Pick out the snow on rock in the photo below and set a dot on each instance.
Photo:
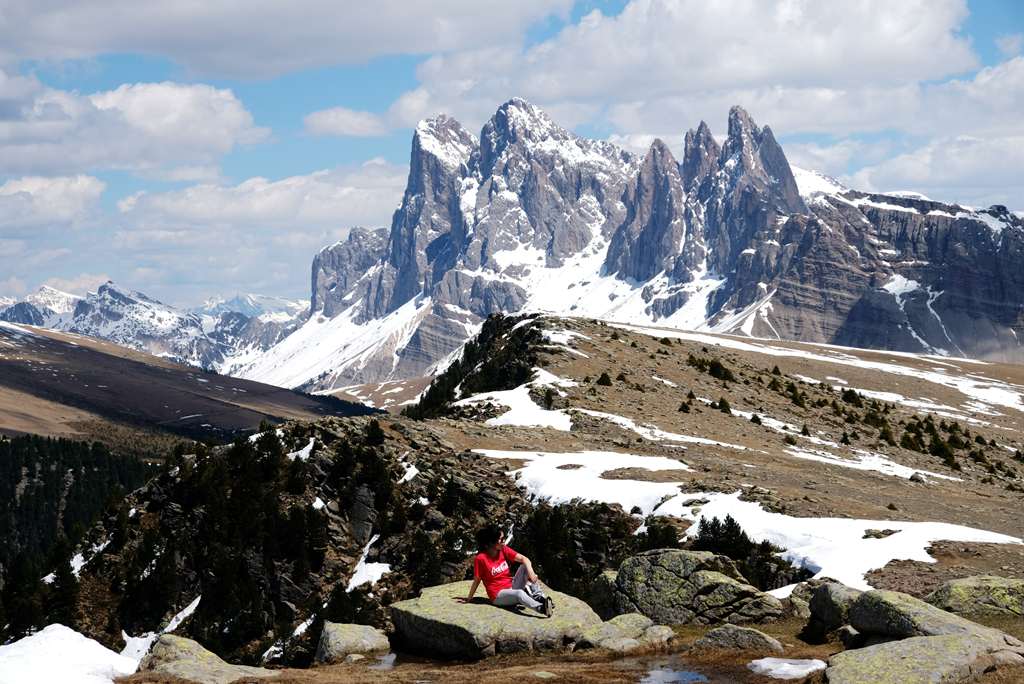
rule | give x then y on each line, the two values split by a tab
785	668
367	572
303	453
136	648
58	654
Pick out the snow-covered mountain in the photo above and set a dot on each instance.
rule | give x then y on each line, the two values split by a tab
133	320
286	312
532	217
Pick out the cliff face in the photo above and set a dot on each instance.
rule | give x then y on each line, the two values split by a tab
531	216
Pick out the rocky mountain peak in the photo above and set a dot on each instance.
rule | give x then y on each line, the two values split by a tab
700	157
442	139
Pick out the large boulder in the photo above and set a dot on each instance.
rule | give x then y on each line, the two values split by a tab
340	640
180	657
922	660
435	624
830	607
629	626
674	587
742	638
981	595
893	614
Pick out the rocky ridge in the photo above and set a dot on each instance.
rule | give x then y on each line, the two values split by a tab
532	217
216	336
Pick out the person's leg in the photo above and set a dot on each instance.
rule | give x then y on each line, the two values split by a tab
533	588
510	597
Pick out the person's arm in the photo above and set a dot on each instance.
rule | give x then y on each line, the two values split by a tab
530	574
472	590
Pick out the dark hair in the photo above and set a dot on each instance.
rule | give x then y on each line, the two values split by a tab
487	536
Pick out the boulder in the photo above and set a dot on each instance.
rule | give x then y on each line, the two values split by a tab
657	635
675	587
981	595
628	626
435	624
830	607
338	640
922	660
733	637
180	657
893	614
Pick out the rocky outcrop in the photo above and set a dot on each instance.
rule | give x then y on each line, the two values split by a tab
674	587
435	624
982	595
921	660
338	269
830	607
895	637
742	638
338	641
180	657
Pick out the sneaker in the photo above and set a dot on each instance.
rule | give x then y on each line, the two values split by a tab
549	606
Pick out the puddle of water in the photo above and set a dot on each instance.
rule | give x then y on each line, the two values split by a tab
665	670
384	663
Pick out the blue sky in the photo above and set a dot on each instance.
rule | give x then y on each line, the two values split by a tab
189	151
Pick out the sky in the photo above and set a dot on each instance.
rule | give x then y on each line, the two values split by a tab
193	150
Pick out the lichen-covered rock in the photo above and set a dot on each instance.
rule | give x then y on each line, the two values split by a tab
180	657
628	626
339	640
733	637
922	660
657	635
602	595
435	624
620	644
981	595
830	607
890	613
675	587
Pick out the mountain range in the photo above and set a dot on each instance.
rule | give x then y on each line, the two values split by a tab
732	239
213	336
531	217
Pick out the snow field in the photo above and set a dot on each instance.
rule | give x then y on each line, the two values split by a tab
60	655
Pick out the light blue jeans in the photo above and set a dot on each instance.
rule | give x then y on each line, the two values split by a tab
528	593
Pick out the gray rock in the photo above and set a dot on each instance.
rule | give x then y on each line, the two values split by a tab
922	660
187	659
620	644
435	624
890	613
630	626
733	637
339	640
830	607
657	635
675	587
981	595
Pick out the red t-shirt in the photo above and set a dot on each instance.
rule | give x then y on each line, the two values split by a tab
494	573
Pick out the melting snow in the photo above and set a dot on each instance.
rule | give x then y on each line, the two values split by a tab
367	572
60	654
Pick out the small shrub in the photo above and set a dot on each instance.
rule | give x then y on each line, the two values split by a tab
776	371
723	406
633	344
621	377
755	419
790	439
684	407
615	334
666	341
604	380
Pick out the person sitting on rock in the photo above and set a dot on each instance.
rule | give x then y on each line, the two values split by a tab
492	568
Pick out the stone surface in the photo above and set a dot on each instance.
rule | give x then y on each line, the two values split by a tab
674	587
733	637
890	613
435	624
658	634
830	607
339	640
630	626
185	658
922	660
981	595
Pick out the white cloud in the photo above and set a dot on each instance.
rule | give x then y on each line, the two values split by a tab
345	122
1010	44
164	130
243	39
13	287
35	202
972	171
80	285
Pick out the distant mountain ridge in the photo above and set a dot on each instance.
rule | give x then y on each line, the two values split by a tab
532	217
215	336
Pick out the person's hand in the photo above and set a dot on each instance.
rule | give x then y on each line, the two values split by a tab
533	577
461	600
